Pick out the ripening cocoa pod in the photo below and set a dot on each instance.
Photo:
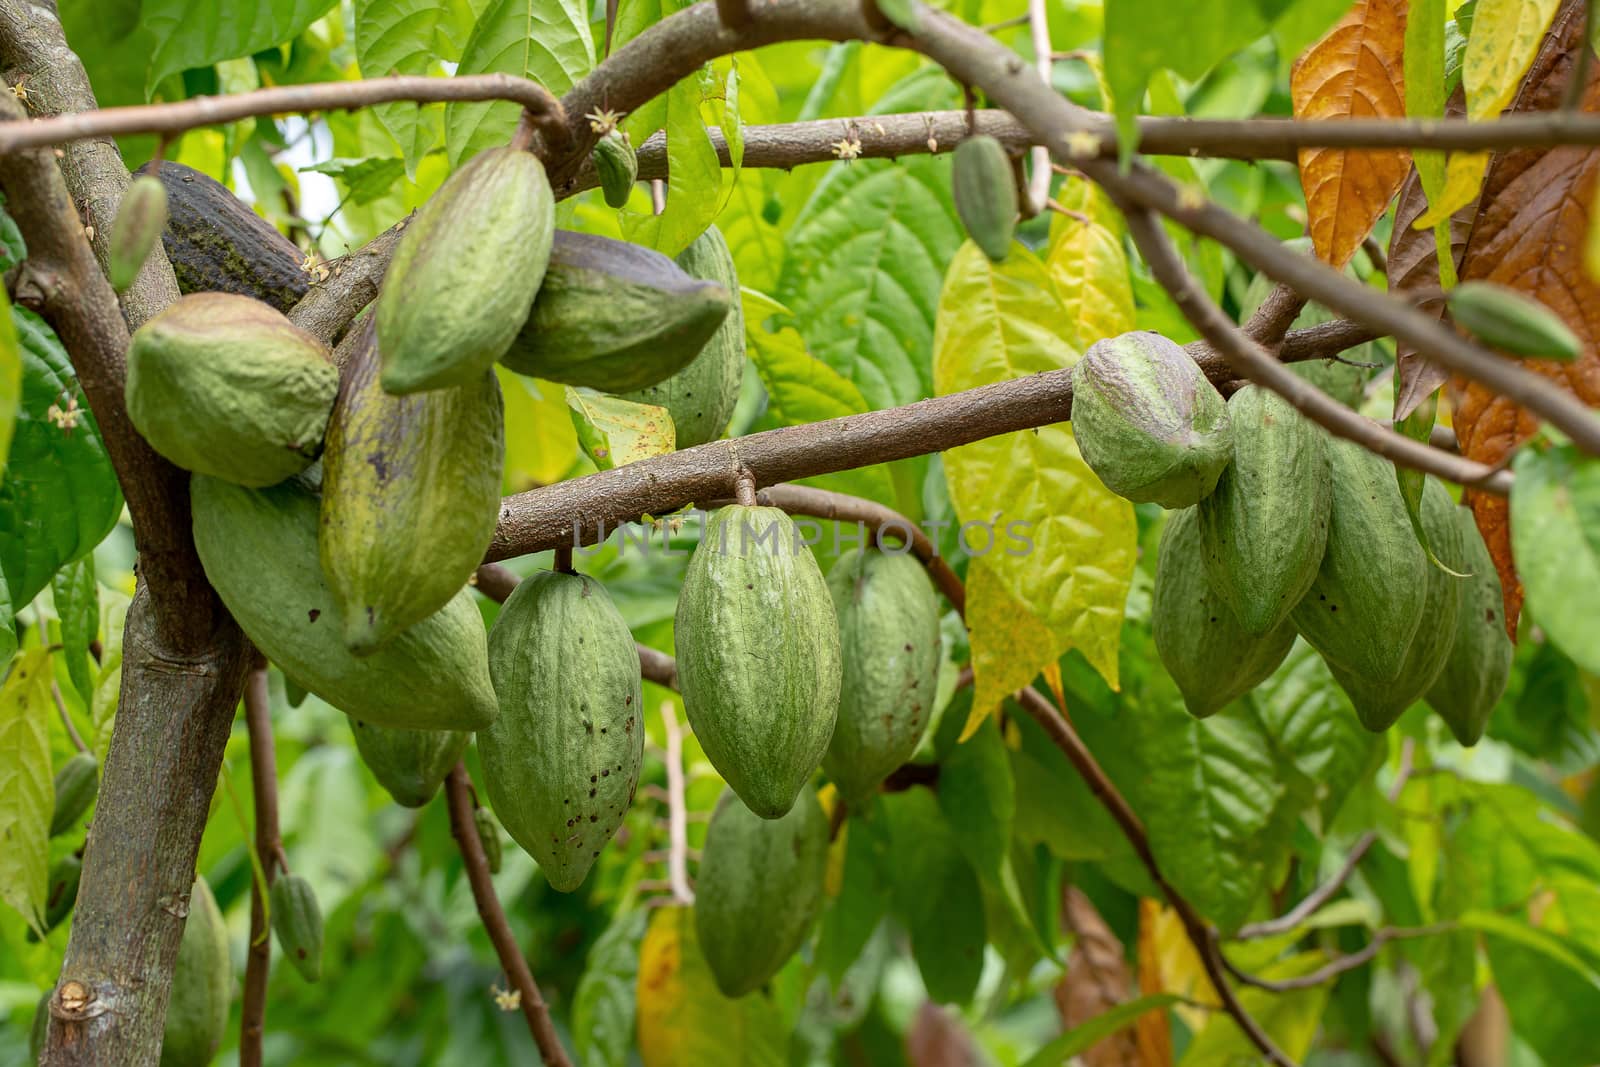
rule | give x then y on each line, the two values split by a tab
225	385
141	218
985	194
1475	674
1148	422
76	785
1504	318
489	838
465	273
410	764
618	167
297	920
202	985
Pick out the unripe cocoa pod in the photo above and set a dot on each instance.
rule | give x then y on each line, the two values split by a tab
410	495
489	838
202	985
615	316
226	386
410	764
76	785
1475	673
889	650
1200	642
259	550
61	890
1379	703
1504	318
701	397
465	273
141	217
618	167
297	920
1148	422
985	194
561	761
759	889
758	655
1263	530
1366	602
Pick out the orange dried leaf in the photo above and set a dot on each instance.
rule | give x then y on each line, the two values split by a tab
1096	981
1353	72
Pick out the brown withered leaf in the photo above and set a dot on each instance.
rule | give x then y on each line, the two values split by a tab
1529	235
1096	981
1352	72
938	1039
1152	1031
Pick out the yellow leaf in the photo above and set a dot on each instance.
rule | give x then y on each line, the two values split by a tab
1165	946
1089	265
1462	178
1591	245
1009	643
1505	37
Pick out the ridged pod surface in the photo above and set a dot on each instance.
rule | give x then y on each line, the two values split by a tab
259	549
227	386
1366	602
985	192
1148	423
202	985
1263	530
701	397
561	761
615	316
1200	642
758	655
297	920
141	218
759	889
617	165
410	764
889	650
465	273
1475	673
410	495
76	785
1379	703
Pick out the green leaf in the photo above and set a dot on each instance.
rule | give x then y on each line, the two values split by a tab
1102	1026
938	895
1551	994
409	37
615	432
189	34
863	898
1425	83
545	40
1555	539
27	796
363	180
1053	573
976	794
602	1006
10	373
694	176
8	625
865	262
77	599
59	497
108	682
1291	1019
13	249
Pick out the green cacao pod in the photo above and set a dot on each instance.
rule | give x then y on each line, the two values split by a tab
202	985
226	386
488	837
758	655
76	785
141	218
410	495
259	549
986	194
216	242
1148	422
1503	318
1200	642
615	316
889	650
410	764
1263	530
1365	604
61	890
465	273
701	397
1475	673
561	761
1379	704
297	920
617	165
759	889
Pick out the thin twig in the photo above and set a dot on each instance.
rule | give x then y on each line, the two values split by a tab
1339	965
677	805
66	718
269	847
1578	80
1038	19
458	794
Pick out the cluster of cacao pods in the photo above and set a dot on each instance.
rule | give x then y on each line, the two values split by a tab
1280	529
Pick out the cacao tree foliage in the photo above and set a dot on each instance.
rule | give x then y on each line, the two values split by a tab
966	896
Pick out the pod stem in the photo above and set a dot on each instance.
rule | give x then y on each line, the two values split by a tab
744	488
562	564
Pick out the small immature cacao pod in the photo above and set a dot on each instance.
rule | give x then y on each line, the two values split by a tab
297	920
985	194
141	217
62	890
1506	319
489	838
618	167
1475	674
202	985
76	785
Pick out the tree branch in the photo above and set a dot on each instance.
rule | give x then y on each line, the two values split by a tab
264	786
458	795
1340	964
677	809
